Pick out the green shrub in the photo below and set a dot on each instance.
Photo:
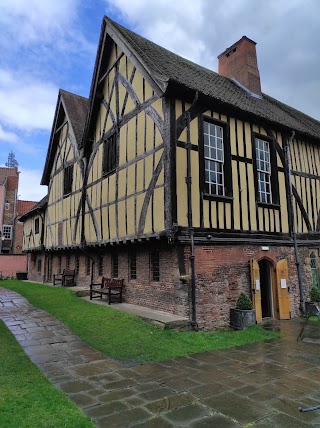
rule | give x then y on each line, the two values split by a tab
315	294
244	302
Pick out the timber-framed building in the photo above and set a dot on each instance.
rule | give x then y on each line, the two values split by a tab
191	185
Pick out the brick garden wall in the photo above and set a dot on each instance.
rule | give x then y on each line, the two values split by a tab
9	264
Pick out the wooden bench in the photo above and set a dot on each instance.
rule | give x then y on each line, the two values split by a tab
66	278
110	287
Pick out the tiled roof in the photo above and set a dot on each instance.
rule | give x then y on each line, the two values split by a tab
37	206
24	206
77	108
175	69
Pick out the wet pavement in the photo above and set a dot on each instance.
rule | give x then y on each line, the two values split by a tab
260	385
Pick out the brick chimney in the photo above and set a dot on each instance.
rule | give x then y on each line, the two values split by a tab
239	62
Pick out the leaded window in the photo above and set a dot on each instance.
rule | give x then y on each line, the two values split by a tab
263	171
133	264
214	159
109	162
67	180
36	226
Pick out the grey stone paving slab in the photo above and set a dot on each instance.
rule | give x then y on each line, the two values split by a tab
261	384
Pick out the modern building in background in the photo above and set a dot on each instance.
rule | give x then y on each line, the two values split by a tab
11	209
192	185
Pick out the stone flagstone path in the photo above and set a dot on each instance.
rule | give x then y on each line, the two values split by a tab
262	384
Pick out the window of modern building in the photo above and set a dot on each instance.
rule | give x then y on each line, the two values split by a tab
109	161
115	264
155	265
36	226
7	231
67	180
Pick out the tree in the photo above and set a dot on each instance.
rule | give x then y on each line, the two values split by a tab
12	162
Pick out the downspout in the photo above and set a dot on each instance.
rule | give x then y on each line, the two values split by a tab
194	324
294	230
14	220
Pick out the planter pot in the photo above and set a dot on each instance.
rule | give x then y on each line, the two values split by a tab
241	319
311	310
21	275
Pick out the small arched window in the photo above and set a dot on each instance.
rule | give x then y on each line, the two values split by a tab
314	270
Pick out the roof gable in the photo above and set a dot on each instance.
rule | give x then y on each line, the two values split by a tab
74	108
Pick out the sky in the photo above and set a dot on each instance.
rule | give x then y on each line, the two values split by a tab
52	44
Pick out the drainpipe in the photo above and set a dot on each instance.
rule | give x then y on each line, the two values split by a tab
294	230
194	324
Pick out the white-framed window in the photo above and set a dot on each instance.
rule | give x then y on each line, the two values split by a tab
213	159
263	171
314	270
7	231
7	206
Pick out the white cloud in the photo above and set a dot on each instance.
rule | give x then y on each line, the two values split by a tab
7	136
26	102
29	185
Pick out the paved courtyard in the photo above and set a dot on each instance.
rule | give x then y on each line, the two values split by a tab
260	385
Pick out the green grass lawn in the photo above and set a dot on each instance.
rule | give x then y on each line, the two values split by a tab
126	337
27	398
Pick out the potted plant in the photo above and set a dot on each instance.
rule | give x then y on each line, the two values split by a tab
21	275
314	297
243	315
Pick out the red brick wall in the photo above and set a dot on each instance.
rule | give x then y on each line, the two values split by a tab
9	264
222	273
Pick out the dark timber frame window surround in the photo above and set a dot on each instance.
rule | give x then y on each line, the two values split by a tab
67	180
36	226
215	159
109	160
265	170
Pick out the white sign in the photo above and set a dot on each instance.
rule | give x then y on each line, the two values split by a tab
283	283
257	284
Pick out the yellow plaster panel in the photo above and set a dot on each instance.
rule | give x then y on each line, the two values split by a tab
161	177
157	105
221	214
148	169
195	186
206	219
224	118
240	137
123	145
140	133
252	198
130	105
122	95
122	183
112	187
148	223
236	186
255	128
214	214
131	179
131	139
181	162
283	203
248	141
244	203
148	91
112	219
122	219
260	216
94	201
140	166
233	136
130	215
105	230
139	201
150	133
194	131
228	215
137	85
266	219
216	115
277	221
159	209
158	141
